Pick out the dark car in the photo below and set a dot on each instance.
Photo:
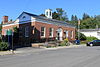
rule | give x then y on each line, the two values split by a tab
94	43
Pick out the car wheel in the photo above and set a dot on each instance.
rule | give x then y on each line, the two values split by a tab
91	45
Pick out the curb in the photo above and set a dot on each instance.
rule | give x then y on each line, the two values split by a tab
55	48
61	47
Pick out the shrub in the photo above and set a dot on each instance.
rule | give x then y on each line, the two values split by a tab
91	39
82	36
3	46
64	43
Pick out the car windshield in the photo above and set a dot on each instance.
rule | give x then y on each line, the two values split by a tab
96	41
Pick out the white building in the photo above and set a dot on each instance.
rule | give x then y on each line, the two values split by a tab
91	32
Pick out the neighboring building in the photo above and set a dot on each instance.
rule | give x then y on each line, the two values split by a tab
35	28
91	32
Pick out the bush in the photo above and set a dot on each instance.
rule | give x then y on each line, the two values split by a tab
64	43
91	39
3	46
82	36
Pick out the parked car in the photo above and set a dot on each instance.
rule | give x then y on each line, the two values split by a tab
94	43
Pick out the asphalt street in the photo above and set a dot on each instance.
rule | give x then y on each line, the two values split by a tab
67	57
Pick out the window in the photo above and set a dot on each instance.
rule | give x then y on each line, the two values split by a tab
71	34
50	13
67	34
27	31
47	13
20	32
24	17
51	32
43	31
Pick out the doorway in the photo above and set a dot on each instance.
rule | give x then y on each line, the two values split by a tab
59	34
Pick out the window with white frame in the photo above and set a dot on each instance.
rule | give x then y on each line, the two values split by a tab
47	13
72	34
27	31
42	31
50	32
66	34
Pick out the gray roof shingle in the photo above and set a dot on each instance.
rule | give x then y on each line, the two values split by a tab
52	21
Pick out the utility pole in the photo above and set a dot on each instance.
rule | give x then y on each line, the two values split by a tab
79	30
12	44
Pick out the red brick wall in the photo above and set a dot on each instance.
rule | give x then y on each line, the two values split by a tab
34	34
8	27
38	26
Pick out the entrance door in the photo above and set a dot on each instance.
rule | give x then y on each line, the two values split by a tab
59	34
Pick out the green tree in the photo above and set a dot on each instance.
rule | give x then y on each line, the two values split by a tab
85	16
76	19
42	15
55	15
82	36
89	23
62	14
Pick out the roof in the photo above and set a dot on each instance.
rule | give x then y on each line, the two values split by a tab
53	21
89	30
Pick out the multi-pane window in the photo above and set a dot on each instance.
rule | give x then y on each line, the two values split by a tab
20	32
71	34
27	31
51	32
67	34
43	31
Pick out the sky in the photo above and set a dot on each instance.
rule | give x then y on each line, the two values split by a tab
13	8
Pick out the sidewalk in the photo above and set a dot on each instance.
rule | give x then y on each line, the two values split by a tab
30	49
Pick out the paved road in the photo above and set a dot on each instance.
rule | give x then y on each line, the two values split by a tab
69	57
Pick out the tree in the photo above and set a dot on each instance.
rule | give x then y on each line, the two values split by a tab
59	14
42	15
85	16
62	14
55	15
82	36
76	19
72	18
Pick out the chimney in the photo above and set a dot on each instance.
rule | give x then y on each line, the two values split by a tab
5	19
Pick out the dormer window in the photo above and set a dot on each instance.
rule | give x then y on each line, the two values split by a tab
24	17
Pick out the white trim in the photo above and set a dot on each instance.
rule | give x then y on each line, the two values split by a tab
51	32
72	34
66	33
44	32
22	22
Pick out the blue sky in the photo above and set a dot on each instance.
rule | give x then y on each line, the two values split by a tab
13	8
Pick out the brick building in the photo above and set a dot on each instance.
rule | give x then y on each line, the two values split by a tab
34	28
